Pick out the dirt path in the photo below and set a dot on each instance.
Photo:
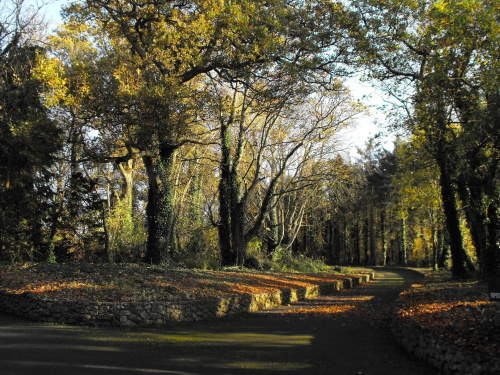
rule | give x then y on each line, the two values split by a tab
282	341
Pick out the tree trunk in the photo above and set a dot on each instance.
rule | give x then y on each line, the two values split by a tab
403	255
232	240
366	237
492	255
273	235
443	256
472	201
334	242
240	242
224	228
373	247
160	210
226	194
104	215
127	172
345	243
458	255
383	238
152	212
434	241
357	239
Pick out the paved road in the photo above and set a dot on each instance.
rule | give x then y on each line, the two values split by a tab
282	341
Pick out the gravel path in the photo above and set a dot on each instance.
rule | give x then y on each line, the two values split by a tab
281	341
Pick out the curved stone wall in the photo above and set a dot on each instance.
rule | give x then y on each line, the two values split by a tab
161	312
444	355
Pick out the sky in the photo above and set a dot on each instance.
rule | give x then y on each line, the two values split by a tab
373	122
366	126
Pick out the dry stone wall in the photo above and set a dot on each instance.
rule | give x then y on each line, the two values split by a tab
442	354
161	312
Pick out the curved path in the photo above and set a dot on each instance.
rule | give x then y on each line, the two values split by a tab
305	338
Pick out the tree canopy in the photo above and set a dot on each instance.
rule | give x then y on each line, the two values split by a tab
208	133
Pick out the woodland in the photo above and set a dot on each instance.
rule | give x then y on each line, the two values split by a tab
208	134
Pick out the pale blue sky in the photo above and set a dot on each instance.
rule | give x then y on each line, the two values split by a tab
52	10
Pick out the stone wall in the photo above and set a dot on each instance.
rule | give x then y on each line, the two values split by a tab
444	355
161	312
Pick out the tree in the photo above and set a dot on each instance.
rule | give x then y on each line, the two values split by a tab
380	171
443	49
175	45
264	137
30	139
345	182
417	183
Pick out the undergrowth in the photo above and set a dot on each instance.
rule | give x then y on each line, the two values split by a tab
288	262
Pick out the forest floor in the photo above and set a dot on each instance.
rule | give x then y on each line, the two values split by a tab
459	312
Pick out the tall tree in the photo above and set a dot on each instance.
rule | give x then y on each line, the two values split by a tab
263	139
176	43
417	183
29	139
443	50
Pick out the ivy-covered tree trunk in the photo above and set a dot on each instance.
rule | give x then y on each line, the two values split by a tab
450	209
160	210
224	228
226	194
152	208
240	242
471	195
232	241
273	235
